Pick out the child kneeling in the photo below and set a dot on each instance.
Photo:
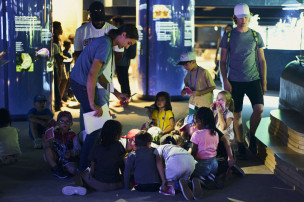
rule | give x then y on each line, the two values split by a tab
142	162
178	167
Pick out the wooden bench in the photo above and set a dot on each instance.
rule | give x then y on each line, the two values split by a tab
280	140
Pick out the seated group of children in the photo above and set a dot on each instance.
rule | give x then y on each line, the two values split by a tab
139	162
184	156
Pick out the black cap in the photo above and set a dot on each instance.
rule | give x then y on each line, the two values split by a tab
97	11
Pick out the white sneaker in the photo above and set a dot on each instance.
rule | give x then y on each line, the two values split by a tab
70	190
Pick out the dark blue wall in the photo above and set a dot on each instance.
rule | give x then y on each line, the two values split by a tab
158	57
276	61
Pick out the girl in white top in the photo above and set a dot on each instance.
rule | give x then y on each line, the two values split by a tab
224	116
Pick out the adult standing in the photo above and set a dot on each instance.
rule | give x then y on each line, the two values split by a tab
89	69
247	73
122	66
60	76
85	34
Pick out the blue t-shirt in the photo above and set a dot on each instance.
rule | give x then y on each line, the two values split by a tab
34	111
101	49
243	65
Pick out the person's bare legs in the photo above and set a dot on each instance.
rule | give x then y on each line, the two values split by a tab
62	87
238	126
50	157
34	129
101	186
71	167
256	117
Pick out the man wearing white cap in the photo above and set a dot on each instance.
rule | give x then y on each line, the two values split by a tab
247	73
198	83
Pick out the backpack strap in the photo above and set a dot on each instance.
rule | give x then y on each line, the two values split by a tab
228	40
255	36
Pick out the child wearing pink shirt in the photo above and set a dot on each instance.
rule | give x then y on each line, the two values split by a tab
204	143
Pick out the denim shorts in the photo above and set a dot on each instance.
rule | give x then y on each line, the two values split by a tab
205	166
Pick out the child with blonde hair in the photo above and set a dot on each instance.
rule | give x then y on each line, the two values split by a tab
224	116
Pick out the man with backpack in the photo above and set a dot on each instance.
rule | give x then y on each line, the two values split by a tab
242	52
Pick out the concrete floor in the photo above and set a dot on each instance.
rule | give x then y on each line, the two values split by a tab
31	180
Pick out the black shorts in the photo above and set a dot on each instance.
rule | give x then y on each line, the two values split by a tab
252	89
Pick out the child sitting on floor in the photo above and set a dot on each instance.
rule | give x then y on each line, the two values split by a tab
162	116
9	144
107	163
142	162
224	116
38	117
62	148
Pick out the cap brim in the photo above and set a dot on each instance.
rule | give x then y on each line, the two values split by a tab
182	62
183	128
243	15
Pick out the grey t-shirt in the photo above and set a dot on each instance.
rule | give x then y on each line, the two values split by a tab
243	65
101	49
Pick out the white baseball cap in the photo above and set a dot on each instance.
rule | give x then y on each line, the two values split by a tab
186	57
241	10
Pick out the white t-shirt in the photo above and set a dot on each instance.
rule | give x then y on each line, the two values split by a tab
228	133
87	33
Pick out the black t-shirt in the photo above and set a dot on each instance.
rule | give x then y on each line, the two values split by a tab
108	161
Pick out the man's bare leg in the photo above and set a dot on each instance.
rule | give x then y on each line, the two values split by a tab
238	128
255	119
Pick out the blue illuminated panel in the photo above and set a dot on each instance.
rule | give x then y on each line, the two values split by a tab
29	31
170	32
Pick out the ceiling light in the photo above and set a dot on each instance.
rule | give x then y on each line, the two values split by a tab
291	3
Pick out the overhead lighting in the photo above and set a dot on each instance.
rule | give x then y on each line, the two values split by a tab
291	3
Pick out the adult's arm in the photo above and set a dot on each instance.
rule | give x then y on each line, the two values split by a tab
263	69
102	80
223	66
91	84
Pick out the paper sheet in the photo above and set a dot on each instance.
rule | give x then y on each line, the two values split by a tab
93	123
